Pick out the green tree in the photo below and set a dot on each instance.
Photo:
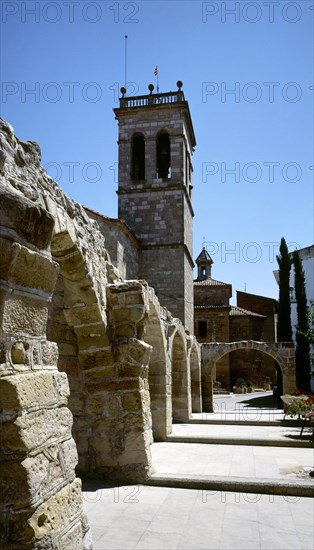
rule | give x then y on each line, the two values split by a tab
284	331
302	352
309	334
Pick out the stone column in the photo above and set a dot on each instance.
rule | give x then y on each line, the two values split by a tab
207	379
128	434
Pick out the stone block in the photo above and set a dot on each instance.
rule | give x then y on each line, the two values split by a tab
33	390
132	401
125	330
59	512
78	292
63	240
90	336
67	348
132	371
72	538
77	316
132	351
102	372
22	314
49	352
29	482
129	314
100	358
35	429
72	266
134	298
95	406
27	268
76	404
114	385
26	218
114	405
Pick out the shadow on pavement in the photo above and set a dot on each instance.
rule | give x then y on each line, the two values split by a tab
265	402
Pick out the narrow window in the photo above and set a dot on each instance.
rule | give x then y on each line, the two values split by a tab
138	158
202	328
163	156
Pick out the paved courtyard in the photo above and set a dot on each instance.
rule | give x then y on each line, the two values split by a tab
168	517
146	518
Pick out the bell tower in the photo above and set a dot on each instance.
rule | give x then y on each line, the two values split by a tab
156	143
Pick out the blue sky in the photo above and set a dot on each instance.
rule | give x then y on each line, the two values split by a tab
247	72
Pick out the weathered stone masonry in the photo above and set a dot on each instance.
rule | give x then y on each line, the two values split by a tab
86	360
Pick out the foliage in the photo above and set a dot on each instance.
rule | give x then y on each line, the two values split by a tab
301	406
241	383
302	353
297	393
284	332
267	381
248	383
309	333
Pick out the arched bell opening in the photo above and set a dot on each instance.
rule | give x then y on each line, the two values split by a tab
163	156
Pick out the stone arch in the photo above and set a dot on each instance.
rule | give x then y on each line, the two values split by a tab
79	326
196	383
110	404
282	353
180	379
159	377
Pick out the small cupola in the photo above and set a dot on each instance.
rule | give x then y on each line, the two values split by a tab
204	265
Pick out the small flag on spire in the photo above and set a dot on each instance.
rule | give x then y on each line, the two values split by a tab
156	71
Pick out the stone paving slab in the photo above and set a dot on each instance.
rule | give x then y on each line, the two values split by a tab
161	518
289	487
234	460
240	415
270	435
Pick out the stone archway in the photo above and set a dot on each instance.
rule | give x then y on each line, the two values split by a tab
196	383
159	376
181	381
108	375
282	353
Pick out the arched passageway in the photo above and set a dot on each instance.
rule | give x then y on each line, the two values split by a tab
181	382
159	377
196	393
282	353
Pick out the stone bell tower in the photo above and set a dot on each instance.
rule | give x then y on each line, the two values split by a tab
156	142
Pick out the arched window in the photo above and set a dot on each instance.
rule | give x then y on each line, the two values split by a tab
163	155
138	158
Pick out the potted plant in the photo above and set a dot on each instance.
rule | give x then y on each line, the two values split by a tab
240	386
249	386
294	395
302	407
267	383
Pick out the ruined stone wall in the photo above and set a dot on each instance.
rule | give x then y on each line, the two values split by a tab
38	452
41	500
75	338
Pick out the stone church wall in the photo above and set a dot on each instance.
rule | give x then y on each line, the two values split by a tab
123	248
